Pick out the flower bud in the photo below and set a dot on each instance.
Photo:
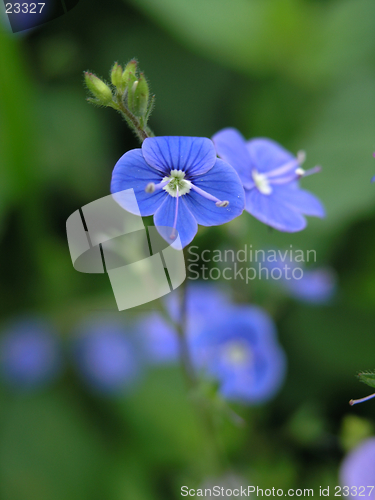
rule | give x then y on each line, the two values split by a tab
130	69
116	77
98	88
141	96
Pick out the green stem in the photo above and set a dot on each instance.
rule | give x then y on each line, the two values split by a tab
203	406
142	132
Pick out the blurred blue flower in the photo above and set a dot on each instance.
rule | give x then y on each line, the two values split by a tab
159	337
313	286
182	182
270	177
358	469
239	348
317	286
235	345
30	354
105	356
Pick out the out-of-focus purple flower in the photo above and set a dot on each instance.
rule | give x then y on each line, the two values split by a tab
239	348
159	337
313	286
105	356
30	354
236	345
182	182
317	286
270	175
358	469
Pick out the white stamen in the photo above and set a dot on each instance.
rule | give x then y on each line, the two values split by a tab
300	172
262	182
177	181
237	353
301	157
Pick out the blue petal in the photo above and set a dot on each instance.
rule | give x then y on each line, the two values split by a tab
267	155
261	381
231	147
187	226
203	300
159	339
252	382
274	213
316	286
131	171
193	155
298	199
222	182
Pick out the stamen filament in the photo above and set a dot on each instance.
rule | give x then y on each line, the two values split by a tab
285	180
304	173
208	196
362	400
298	173
152	187
283	169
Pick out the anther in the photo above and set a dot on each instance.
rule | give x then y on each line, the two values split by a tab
150	188
300	172
301	157
224	203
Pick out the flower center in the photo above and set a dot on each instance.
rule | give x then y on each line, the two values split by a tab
177	185
237	353
262	182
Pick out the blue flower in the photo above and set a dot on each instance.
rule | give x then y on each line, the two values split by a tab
105	356
182	182
159	338
358	468
239	348
313	286
235	345
270	177
317	286
30	354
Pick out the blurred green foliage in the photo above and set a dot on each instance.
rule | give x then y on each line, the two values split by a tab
299	71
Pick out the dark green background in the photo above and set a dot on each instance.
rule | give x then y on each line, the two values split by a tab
298	71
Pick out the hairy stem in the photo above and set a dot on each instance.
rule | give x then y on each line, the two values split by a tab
142	132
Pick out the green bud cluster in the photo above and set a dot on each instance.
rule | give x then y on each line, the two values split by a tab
128	93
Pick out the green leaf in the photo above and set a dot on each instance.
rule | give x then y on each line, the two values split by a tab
49	449
304	40
367	378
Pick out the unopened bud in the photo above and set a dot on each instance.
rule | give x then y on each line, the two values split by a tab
116	76
130	69
141	96
98	88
